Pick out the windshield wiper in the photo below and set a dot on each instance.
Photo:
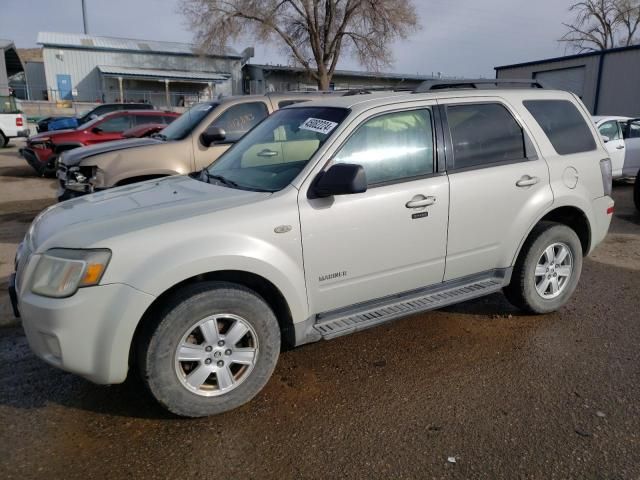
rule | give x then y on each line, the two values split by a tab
219	178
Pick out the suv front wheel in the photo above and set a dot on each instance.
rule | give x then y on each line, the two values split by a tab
213	348
547	270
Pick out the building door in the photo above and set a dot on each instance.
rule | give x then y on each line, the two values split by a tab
64	86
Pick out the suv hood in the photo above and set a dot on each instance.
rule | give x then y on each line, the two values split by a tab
90	219
75	156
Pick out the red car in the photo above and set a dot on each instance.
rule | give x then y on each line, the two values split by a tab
43	149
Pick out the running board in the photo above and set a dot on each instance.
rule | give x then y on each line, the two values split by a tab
370	314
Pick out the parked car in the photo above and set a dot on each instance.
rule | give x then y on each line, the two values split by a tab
48	124
12	122
43	149
622	141
327	218
185	146
144	130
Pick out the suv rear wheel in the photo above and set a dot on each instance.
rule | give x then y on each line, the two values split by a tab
547	270
3	140
214	347
636	191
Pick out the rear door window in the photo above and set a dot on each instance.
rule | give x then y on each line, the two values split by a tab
144	119
563	124
632	129
484	134
115	124
239	119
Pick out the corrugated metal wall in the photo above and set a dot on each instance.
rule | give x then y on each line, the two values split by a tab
620	84
85	77
619	92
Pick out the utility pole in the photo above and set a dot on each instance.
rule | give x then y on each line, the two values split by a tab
84	17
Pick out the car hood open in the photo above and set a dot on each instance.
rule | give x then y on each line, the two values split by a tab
89	219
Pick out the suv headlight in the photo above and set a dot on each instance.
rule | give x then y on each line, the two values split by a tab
61	271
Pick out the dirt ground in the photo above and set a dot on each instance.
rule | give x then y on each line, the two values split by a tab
478	390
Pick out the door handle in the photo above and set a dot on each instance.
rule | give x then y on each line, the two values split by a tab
267	153
619	147
420	201
527	181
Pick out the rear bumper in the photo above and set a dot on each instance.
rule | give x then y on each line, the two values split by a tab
602	213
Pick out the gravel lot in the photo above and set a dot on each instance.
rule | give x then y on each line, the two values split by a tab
504	394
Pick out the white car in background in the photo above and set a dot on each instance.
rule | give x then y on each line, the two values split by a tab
622	140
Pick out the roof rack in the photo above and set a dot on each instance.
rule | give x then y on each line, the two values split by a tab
366	91
429	85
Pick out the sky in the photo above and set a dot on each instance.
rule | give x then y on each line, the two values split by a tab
457	37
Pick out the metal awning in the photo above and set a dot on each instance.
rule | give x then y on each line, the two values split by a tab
161	74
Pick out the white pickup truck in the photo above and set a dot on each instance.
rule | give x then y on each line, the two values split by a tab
13	123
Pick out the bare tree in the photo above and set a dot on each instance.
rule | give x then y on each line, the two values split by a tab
602	24
315	33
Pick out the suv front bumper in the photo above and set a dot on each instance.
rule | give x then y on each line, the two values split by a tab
89	333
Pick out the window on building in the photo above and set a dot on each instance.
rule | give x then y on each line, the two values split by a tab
392	147
565	127
239	119
484	134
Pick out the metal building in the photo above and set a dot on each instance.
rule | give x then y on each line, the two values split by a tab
281	78
107	69
607	81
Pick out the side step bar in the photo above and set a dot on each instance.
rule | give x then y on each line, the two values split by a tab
370	314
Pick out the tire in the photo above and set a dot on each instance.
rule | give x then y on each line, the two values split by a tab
636	191
168	379
4	141
50	169
523	291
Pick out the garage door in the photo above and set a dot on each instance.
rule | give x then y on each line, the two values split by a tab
571	79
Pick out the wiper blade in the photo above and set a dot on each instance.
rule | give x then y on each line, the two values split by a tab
160	136
219	178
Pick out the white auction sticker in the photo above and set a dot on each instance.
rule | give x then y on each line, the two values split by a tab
318	125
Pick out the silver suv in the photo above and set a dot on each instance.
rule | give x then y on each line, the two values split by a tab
327	218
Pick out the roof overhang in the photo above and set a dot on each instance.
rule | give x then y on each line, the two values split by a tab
162	75
11	58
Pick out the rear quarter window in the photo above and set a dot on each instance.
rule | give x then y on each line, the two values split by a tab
563	124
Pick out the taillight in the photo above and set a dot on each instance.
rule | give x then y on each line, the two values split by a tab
19	122
605	169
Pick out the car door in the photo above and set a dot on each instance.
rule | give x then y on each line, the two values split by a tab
631	135
498	185
236	120
391	238
614	145
110	129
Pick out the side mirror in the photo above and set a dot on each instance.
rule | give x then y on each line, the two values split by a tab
605	139
340	179
96	130
212	135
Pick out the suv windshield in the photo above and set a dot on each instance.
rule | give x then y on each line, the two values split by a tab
271	155
185	123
